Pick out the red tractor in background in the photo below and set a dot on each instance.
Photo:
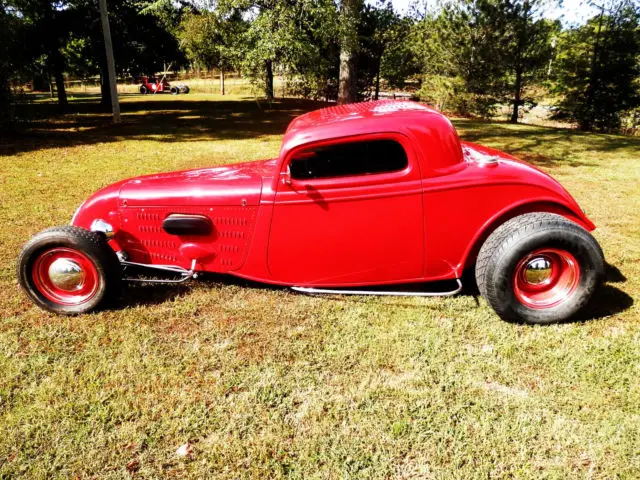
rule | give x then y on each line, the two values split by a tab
153	85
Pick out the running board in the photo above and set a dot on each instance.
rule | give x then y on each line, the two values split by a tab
312	290
186	274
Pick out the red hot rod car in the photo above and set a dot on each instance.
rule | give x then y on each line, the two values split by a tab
153	85
377	193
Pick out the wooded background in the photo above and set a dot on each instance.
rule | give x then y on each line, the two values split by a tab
468	57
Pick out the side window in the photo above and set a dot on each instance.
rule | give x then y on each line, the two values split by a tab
348	159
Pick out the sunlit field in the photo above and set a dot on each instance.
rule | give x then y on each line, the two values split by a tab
233	85
266	383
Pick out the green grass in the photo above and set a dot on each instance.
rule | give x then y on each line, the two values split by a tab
266	383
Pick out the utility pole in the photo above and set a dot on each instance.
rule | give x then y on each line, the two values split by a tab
111	64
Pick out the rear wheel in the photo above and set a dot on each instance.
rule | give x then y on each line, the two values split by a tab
539	268
174	91
143	90
69	270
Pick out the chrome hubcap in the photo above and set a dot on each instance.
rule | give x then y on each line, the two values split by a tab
66	274
538	270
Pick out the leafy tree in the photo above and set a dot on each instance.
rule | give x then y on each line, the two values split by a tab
9	62
168	12
399	62
141	43
381	35
46	24
290	34
528	48
597	68
511	48
313	71
444	43
213	40
496	47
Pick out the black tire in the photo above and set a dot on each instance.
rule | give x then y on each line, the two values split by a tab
108	275
186	89
174	91
143	90
503	256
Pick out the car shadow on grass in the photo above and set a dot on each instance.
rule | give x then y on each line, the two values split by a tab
606	301
149	294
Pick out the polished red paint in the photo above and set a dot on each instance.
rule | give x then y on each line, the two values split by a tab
426	222
564	279
53	293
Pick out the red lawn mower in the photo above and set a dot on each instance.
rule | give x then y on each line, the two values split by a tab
153	85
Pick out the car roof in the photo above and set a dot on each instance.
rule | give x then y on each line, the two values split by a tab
413	119
359	112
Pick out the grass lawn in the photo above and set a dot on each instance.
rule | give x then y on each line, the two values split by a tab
266	383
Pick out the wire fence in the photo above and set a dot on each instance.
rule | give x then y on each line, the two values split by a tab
234	84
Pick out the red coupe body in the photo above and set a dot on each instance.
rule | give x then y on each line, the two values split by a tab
420	218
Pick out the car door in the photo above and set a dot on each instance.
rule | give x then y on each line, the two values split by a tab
348	213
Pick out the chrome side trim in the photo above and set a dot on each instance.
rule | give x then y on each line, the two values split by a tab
186	274
311	290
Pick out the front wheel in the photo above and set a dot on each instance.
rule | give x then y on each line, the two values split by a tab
69	270
539	268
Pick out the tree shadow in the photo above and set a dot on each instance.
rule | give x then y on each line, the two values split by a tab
178	119
531	143
159	119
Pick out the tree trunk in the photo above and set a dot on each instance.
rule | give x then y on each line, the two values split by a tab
516	98
6	109
111	66
221	82
377	91
348	86
269	80
40	83
57	65
347	90
105	88
588	119
62	93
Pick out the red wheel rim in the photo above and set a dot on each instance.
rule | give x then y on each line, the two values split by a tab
545	278
65	276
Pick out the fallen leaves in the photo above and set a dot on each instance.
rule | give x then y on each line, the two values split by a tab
133	466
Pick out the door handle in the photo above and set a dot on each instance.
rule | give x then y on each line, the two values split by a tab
286	176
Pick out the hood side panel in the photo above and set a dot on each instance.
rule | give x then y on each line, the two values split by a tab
142	237
229	196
